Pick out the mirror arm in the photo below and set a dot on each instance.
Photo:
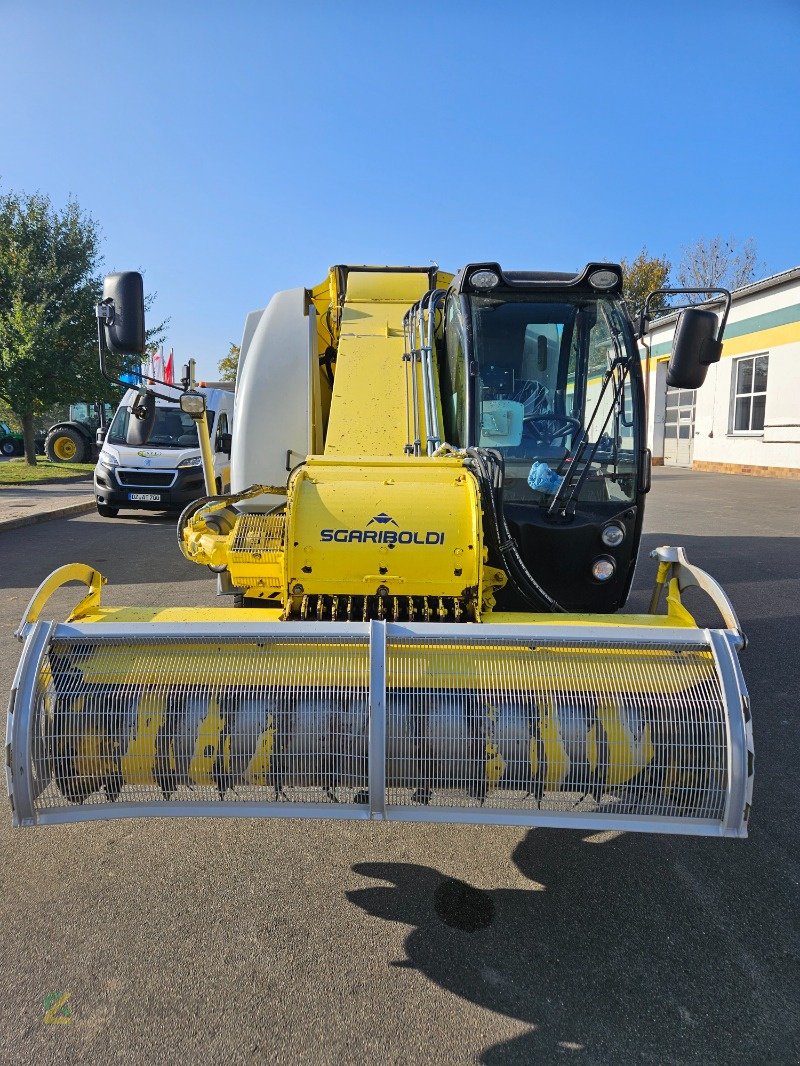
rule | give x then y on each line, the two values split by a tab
724	293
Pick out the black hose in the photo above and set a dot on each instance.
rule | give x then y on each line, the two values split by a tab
489	468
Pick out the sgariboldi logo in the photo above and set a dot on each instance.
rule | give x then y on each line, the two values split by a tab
381	535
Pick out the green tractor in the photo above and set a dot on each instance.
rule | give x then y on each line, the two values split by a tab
11	442
74	440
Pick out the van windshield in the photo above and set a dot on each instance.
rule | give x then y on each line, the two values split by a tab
172	428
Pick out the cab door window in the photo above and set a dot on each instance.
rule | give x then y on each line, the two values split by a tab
453	375
222	427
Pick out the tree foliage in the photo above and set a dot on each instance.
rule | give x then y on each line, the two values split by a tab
717	262
229	363
643	275
49	282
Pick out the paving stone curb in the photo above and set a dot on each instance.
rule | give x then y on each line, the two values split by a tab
70	511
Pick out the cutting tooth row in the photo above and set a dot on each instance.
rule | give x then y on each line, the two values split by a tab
383	608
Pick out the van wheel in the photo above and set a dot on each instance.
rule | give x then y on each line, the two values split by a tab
107	512
65	446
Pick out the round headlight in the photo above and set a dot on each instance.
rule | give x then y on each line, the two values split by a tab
603	279
603	568
484	279
613	535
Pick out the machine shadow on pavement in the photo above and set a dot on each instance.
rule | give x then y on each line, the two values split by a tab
609	956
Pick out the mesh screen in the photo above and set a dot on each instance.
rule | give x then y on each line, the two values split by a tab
634	729
470	724
273	720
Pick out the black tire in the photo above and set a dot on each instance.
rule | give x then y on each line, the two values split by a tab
8	446
65	446
107	512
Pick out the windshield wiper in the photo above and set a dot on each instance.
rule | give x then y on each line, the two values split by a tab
619	362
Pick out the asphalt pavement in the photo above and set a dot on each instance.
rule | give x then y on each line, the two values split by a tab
248	941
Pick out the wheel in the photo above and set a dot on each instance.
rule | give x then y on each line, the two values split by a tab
65	446
8	447
107	512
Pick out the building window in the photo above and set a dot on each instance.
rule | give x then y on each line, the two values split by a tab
749	394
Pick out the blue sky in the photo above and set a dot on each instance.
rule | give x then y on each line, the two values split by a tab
232	150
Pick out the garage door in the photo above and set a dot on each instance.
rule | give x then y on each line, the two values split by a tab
678	427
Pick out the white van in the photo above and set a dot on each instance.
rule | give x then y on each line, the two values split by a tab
167	473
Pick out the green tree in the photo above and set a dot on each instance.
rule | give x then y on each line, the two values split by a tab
229	363
49	282
643	275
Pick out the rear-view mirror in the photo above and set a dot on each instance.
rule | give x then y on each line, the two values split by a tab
141	421
124	326
694	348
541	352
224	443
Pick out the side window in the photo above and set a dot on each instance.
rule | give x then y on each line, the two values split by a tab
222	427
749	394
600	352
454	376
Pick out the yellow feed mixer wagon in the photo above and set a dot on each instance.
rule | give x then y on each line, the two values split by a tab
438	487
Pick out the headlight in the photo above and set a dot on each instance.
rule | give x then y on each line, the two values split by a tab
603	568
195	460
484	279
109	460
193	403
613	535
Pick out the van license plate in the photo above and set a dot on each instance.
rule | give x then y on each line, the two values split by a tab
145	497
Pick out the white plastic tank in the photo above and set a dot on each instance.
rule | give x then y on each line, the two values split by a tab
273	394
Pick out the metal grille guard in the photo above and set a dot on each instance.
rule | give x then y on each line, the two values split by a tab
590	727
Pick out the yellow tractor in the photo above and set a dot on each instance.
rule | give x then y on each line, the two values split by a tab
437	493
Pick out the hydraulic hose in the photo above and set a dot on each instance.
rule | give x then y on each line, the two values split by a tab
489	468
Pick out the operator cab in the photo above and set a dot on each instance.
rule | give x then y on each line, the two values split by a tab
544	369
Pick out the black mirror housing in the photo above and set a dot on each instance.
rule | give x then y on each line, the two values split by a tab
225	443
141	420
694	348
124	327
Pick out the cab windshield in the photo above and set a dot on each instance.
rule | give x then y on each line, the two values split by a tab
540	399
172	428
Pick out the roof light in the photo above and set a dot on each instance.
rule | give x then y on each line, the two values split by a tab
484	279
603	568
603	279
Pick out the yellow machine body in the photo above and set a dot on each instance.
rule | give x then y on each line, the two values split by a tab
368	674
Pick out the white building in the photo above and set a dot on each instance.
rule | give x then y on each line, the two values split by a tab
746	417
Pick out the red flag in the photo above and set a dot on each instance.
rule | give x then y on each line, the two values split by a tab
169	369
